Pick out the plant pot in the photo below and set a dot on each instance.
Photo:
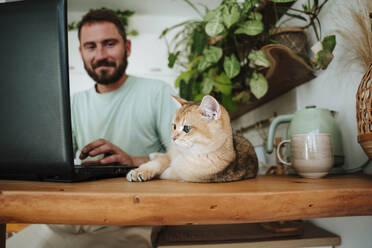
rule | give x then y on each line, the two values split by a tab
292	37
286	72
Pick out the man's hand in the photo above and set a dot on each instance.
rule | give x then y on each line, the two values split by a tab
112	153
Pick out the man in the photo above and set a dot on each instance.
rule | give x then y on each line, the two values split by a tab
122	119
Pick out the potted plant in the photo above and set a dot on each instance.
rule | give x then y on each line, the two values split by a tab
225	53
309	15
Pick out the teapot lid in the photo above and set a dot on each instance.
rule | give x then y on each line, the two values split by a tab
312	109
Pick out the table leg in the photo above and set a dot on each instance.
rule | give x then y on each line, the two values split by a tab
2	235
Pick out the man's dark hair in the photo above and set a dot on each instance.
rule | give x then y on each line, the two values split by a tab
102	15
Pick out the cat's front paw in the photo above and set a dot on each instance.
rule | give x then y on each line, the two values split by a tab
140	175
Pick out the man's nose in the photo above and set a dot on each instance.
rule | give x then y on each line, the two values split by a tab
101	53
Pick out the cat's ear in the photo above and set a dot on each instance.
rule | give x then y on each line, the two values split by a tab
210	108
179	101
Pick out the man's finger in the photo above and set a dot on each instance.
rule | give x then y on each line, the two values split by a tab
103	149
93	145
84	155
114	158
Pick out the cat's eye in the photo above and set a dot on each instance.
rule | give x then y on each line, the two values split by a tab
187	129
174	126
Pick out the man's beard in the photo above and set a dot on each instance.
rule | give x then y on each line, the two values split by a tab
103	77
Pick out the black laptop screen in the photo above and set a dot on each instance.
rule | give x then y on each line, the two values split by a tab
34	93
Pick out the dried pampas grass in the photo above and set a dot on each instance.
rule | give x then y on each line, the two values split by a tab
355	26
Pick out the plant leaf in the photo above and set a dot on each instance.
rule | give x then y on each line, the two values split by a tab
186	90
213	54
259	58
329	43
198	97
213	14
214	27
172	57
230	15
199	39
228	103
203	64
324	58
207	85
255	16
184	76
251	28
132	33
72	26
243	97
212	73
258	85
193	63
223	84
231	66
248	5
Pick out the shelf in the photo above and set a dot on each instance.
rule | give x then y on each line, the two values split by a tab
162	202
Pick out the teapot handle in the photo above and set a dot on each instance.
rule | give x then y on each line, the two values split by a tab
273	125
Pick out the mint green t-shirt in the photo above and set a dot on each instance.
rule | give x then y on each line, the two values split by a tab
136	117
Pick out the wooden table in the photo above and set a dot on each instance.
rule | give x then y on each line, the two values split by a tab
118	202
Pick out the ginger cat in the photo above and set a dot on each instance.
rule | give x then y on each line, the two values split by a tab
203	148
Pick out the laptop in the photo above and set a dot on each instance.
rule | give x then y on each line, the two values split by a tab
35	126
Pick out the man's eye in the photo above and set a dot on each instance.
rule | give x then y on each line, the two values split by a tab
110	43
187	129
174	126
90	46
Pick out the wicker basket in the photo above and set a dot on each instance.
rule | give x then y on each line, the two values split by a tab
292	37
364	112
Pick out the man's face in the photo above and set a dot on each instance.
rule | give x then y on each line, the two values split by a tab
104	52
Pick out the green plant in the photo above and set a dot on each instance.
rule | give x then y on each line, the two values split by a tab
122	14
220	54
